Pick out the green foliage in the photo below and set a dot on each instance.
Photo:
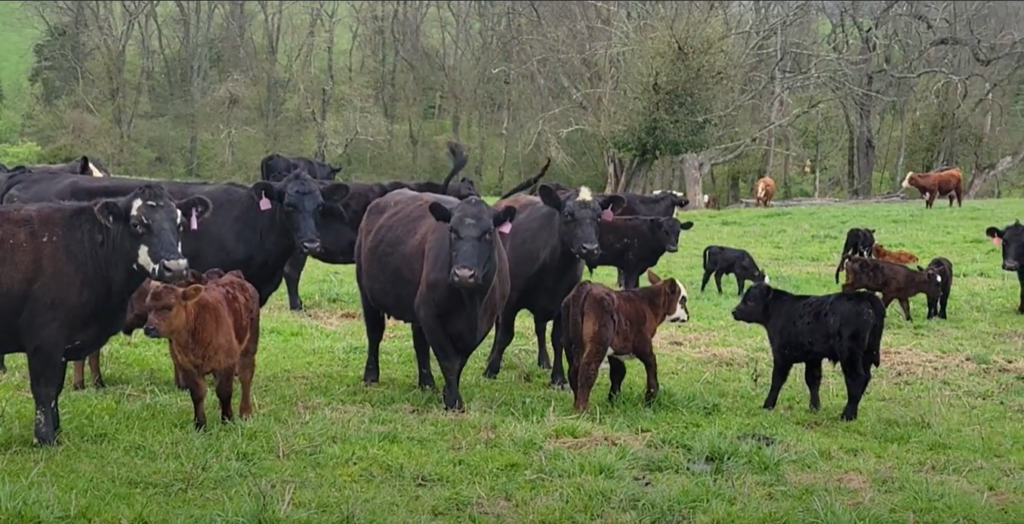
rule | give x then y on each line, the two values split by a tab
21	153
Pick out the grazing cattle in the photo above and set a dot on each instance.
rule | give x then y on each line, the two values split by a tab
439	264
859	242
893	281
274	168
339	237
211	329
554	234
943	269
722	260
1012	241
64	292
938	183
841	327
256	229
764	191
635	244
897	256
601	322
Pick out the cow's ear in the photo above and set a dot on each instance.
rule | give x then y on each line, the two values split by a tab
872	231
613	202
994	232
440	212
653	277
335	192
109	212
686	226
191	293
263	189
550	197
921	269
198	204
83	166
505	214
333	171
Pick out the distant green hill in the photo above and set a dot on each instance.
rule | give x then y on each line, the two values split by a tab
20	30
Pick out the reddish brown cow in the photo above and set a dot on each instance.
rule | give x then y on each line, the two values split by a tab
709	202
893	281
601	322
941	182
213	329
764	191
897	256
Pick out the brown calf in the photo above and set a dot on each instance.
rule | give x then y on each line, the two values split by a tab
213	329
709	202
764	191
942	182
601	322
893	281
897	256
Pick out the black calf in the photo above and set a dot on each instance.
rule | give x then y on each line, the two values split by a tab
724	260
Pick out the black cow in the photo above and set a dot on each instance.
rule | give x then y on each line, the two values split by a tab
635	244
841	327
943	269
255	229
64	292
553	235
275	167
725	260
859	242
439	264
1012	240
339	239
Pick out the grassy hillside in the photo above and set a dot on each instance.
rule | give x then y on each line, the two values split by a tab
938	439
19	33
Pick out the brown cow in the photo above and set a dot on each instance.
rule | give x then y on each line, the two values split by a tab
709	202
893	281
764	190
897	256
941	182
601	322
213	329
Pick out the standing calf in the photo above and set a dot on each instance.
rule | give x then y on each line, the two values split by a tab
724	260
1012	241
893	281
943	270
858	243
603	323
897	256
841	327
213	329
764	191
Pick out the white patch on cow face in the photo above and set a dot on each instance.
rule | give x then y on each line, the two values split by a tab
767	279
179	220
707	198
938	279
143	260
95	172
585	194
906	180
136	204
680	314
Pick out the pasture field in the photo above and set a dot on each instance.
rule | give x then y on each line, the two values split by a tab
940	436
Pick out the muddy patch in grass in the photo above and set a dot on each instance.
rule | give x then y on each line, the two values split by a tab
856	485
910	363
332	318
636	441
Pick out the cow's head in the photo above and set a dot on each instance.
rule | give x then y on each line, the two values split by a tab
678	199
166	308
579	212
934	279
1012	240
153	223
754	306
301	200
748	266
866	244
673	297
911	180
91	167
473	229
666	230
464	189
332	172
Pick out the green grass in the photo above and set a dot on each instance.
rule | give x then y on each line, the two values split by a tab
19	34
939	438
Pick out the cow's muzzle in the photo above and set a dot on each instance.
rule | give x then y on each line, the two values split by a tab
311	246
170	270
672	248
151	331
464	277
1011	265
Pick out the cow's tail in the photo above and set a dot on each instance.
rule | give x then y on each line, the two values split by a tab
265	166
529	182
705	258
842	260
874	348
459	158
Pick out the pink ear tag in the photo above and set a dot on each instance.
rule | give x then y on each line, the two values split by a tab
997	241
264	202
606	215
193	223
505	228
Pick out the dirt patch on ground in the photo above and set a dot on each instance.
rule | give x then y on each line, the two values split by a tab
332	318
492	506
701	345
856	485
577	444
915	363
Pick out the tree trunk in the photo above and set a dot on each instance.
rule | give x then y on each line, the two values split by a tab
817	156
898	174
992	171
695	167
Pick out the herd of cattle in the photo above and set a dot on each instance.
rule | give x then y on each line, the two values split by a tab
89	256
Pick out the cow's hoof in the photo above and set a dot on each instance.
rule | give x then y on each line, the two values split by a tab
99	383
78	386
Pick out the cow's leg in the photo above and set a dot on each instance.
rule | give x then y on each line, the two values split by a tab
632	278
45	366
620	278
540	328
959	196
943	299
78	370
450	361
704	279
425	377
886	300
225	387
292	274
374	322
650	361
931	199
718	281
739	285
3	366
905	305
812	375
504	332
1020	280
780	372
856	381
94	369
246	370
617	372
557	346
932	307
951	197
197	390
589	364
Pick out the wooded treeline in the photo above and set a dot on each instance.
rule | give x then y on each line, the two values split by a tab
835	99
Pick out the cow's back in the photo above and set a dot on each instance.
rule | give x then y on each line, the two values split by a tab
242	302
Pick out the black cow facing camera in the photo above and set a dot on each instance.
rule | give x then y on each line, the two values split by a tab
725	260
841	327
1012	241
